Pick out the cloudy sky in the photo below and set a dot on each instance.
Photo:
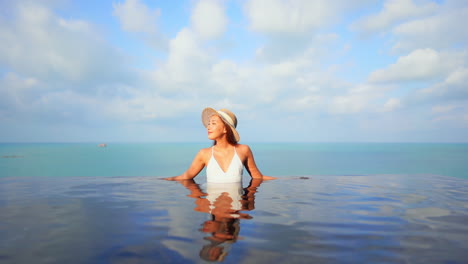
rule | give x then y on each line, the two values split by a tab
292	70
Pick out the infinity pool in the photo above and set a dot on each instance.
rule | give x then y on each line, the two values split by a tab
315	219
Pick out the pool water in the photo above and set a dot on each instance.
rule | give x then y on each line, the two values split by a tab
314	219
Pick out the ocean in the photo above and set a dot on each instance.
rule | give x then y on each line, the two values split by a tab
331	203
275	159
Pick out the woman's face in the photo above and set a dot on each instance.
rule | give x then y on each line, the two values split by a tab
215	128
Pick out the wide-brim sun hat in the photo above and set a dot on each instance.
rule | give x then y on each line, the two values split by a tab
227	116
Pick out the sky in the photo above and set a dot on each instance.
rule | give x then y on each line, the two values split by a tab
291	70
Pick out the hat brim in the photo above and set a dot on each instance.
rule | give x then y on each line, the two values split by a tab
209	112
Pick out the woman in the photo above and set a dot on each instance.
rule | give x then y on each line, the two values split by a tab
226	159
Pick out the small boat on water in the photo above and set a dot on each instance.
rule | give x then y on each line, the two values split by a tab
102	145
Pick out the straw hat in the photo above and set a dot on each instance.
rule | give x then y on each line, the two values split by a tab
227	116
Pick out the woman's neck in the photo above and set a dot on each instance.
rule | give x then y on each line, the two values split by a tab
222	144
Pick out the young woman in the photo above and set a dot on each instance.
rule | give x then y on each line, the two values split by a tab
226	159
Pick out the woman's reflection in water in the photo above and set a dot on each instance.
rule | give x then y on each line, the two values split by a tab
225	202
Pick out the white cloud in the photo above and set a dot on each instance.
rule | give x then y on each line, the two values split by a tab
303	104
453	88
29	100
446	29
393	12
284	16
419	65
294	16
187	64
209	19
230	79
348	104
135	16
392	104
59	70
459	77
191	69
300	73
453	114
38	44
279	49
32	101
442	109
284	69
16	93
145	106
362	99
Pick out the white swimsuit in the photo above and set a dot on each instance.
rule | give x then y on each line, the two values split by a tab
214	173
230	192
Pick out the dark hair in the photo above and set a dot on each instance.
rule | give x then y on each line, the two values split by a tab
231	139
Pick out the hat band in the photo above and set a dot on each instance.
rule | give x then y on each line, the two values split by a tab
227	118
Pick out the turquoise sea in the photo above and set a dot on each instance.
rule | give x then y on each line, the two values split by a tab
276	159
331	203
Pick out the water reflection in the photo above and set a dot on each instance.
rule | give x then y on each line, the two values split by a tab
226	204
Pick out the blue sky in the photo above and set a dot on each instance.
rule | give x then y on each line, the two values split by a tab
291	70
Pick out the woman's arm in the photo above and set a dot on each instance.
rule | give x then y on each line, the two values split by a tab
203	205
248	198
197	165
252	167
194	188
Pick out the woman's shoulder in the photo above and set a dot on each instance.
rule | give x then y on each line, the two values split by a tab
244	152
205	151
242	148
204	155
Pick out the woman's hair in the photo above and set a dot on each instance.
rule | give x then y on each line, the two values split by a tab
216	250
231	139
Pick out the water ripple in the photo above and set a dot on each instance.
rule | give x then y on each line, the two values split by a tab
325	219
